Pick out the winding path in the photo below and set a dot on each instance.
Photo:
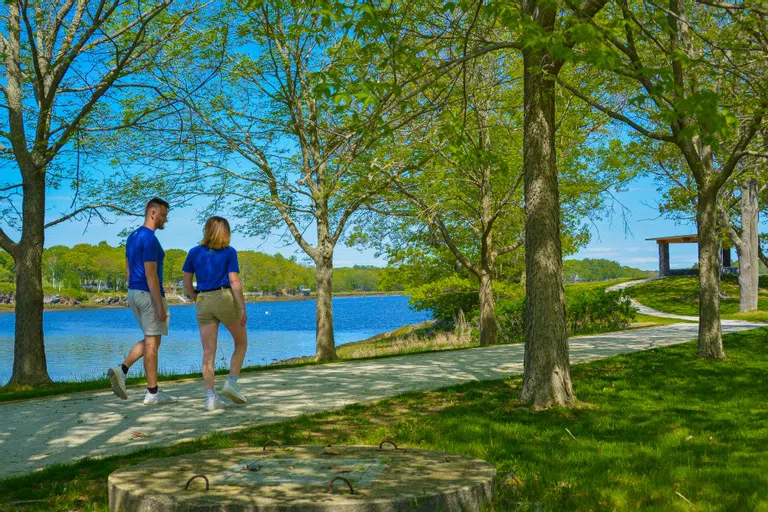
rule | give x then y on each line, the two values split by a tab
37	433
645	310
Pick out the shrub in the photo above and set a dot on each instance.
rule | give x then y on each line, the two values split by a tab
586	312
445	297
591	311
70	293
510	317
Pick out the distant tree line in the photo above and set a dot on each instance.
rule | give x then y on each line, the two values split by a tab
600	269
101	268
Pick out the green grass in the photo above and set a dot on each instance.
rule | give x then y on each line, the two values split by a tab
642	321
680	295
653	424
595	285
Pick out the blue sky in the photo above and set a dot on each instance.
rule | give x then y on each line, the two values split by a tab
608	237
632	249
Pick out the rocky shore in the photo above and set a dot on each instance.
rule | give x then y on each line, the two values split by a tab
53	299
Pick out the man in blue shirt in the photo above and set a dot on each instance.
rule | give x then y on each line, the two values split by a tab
146	297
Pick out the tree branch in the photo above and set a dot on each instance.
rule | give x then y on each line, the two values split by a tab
615	115
506	250
6	243
93	207
735	7
762	255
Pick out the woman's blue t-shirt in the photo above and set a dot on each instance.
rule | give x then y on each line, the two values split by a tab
211	266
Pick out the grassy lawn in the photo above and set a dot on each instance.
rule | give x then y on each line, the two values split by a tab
642	321
661	430
680	295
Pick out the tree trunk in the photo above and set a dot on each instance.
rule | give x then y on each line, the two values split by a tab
710	330
547	377
489	330
29	364
747	249
324	340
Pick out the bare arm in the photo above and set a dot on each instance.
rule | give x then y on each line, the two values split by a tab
237	291
188	285
153	281
127	271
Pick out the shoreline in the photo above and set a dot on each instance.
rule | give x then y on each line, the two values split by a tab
65	387
10	308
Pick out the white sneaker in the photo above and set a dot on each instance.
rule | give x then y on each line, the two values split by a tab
159	398
214	403
117	379
232	391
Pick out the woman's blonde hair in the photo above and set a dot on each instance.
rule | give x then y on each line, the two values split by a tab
216	233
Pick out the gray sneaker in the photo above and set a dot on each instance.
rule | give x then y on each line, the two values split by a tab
117	379
159	398
232	391
212	404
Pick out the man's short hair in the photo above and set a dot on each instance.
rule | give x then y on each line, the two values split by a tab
156	201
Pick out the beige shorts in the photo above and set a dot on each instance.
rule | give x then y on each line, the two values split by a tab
217	306
141	304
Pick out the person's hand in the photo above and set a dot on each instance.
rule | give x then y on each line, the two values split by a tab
243	317
194	297
162	315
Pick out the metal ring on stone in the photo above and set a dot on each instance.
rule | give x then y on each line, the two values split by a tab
186	487
386	441
271	441
330	486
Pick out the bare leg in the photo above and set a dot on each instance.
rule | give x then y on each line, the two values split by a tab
240	336
151	346
209	333
136	353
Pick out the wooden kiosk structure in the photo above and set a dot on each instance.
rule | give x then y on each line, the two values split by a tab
663	243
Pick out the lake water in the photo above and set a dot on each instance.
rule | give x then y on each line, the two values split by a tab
82	344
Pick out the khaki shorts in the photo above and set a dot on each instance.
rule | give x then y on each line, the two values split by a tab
217	306
141	305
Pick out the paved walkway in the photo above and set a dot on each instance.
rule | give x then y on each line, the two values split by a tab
38	433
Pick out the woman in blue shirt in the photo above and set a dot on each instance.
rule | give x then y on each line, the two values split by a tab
219	300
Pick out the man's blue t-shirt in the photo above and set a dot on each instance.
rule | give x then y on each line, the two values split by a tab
211	266
143	246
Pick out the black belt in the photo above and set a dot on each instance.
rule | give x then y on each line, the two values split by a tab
225	287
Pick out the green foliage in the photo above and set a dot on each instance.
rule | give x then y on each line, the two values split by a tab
600	269
7	267
71	271
588	310
360	278
446	297
510	318
70	293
